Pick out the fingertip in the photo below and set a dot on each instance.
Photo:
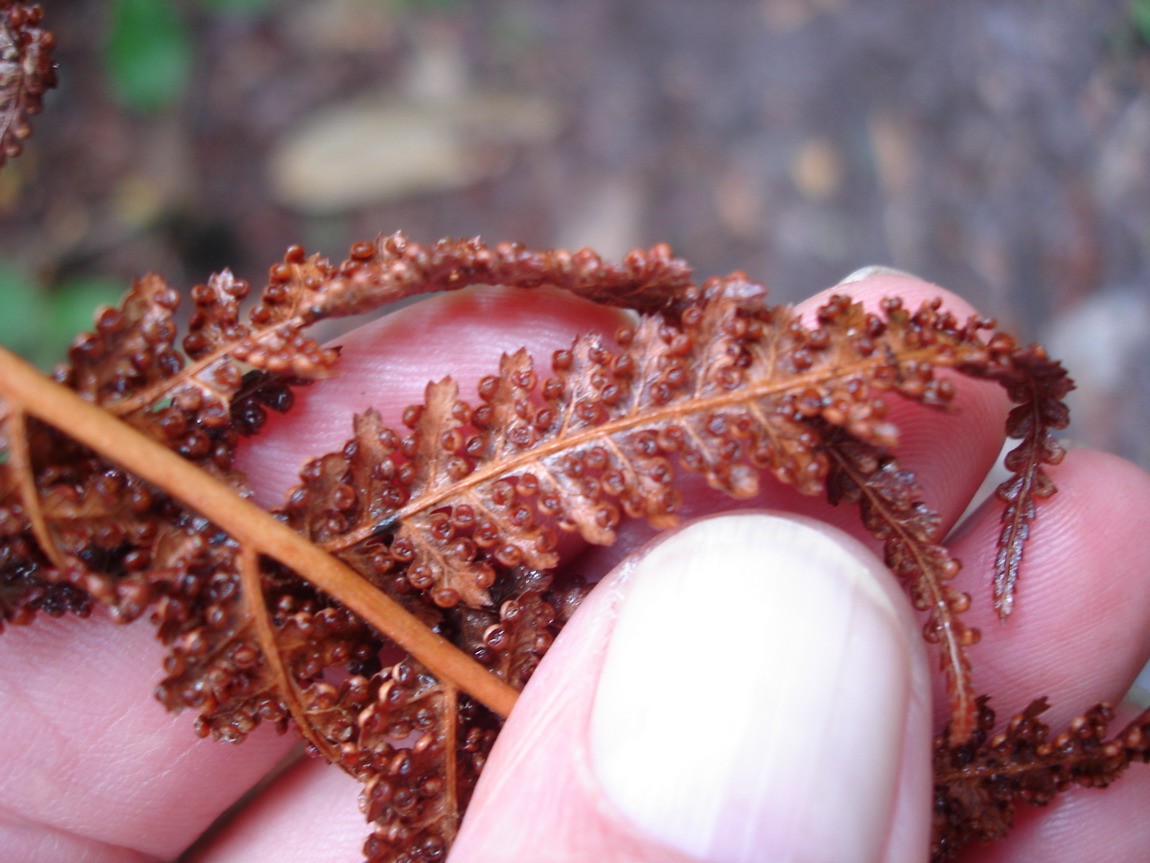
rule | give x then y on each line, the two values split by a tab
537	791
773	629
694	707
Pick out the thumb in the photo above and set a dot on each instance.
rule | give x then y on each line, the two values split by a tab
751	688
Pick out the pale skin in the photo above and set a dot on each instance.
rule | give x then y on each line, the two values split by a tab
95	771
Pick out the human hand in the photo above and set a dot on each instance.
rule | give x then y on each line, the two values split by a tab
101	774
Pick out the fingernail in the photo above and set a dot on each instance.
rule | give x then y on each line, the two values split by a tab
1138	697
874	270
755	693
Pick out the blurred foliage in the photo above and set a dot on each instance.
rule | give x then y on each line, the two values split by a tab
148	54
1140	18
49	320
20	331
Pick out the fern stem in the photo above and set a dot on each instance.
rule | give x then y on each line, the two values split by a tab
29	494
31	392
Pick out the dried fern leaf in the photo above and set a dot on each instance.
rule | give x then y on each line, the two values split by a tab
448	529
979	785
890	502
729	389
1038	386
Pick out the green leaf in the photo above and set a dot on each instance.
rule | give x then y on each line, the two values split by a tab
20	327
1140	18
148	55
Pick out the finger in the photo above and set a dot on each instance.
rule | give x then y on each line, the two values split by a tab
666	724
308	815
94	769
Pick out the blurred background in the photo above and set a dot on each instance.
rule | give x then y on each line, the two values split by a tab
998	147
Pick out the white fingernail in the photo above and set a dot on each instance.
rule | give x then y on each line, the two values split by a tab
874	270
755	694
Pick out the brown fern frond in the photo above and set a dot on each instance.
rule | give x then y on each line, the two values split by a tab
26	72
728	389
393	267
413	577
131	366
890	502
979	785
1037	385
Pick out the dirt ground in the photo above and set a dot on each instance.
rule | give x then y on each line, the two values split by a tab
998	147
